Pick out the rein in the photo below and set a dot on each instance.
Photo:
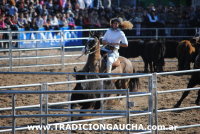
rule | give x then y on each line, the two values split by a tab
89	50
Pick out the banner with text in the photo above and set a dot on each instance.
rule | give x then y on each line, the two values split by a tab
49	38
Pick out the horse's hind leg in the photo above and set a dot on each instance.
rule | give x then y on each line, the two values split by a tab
197	102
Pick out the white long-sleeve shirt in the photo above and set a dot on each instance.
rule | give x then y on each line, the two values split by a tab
115	36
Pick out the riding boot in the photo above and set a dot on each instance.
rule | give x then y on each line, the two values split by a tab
108	69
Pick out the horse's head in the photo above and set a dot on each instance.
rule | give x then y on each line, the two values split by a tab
91	45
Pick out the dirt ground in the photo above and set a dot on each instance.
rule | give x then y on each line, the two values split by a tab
166	82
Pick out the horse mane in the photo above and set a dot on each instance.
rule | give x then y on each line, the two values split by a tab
93	60
189	45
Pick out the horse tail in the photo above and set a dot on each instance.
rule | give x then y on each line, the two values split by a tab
134	84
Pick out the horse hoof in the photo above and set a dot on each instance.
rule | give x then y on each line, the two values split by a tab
197	103
176	106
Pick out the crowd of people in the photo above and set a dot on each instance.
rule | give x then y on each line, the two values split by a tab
53	14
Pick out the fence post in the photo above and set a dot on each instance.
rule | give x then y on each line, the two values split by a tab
157	34
62	49
13	113
69	105
10	51
127	109
155	112
150	101
101	103
44	106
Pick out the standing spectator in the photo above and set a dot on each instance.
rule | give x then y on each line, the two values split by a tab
44	10
81	4
171	20
38	7
50	6
107	3
12	10
152	18
137	20
98	4
89	3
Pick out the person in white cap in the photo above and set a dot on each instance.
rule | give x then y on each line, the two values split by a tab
113	39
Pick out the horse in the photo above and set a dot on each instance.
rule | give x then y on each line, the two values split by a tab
96	64
194	80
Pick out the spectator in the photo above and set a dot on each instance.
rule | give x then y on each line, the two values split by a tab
33	24
107	3
50	7
81	4
79	20
3	25
12	10
39	21
70	20
44	10
171	18
54	20
47	25
22	21
94	21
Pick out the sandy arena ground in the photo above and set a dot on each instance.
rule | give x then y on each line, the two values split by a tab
167	82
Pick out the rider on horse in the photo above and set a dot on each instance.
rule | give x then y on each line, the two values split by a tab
113	39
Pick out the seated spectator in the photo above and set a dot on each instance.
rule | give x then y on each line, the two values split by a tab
62	20
79	20
70	19
3	25
22	21
33	25
54	20
47	25
39	21
94	21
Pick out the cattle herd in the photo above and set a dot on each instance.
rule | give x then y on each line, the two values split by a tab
153	52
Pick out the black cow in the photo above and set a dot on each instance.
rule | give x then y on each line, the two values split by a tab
133	50
95	85
171	46
153	55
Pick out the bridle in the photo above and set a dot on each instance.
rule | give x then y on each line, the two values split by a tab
87	49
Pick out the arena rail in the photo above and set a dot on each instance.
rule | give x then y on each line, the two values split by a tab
9	60
153	93
44	106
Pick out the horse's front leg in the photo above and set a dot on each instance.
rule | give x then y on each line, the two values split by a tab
197	102
185	94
